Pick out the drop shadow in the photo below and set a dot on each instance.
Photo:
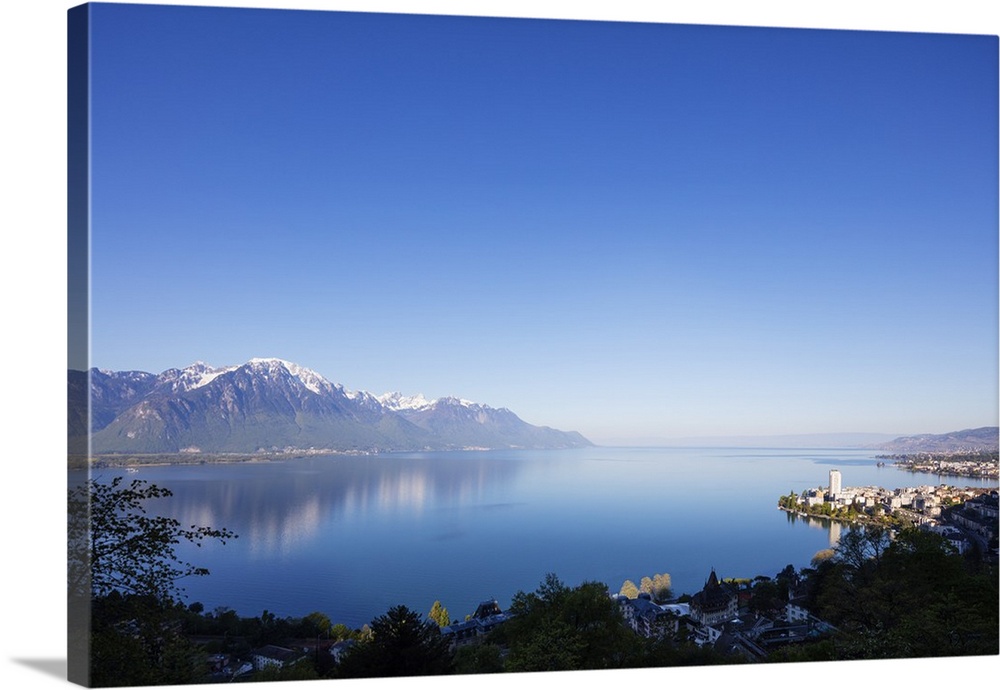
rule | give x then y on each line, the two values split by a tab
57	668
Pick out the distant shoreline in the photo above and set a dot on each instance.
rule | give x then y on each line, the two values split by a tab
975	464
120	460
162	459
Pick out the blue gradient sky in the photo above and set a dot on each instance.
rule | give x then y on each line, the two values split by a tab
631	230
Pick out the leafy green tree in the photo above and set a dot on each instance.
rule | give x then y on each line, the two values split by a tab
439	614
553	646
339	631
316	624
766	597
861	548
560	628
122	563
401	644
267	628
913	596
479	658
136	641
126	549
673	652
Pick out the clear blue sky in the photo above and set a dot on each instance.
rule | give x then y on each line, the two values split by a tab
630	230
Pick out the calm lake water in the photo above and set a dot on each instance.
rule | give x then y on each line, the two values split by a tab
354	536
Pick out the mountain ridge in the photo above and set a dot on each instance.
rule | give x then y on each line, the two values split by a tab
269	404
984	438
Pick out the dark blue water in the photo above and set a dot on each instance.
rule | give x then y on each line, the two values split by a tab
353	536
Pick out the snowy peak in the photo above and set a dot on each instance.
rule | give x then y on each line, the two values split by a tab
189	378
460	402
307	377
398	401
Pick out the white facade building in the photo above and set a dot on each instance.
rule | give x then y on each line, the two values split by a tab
835	484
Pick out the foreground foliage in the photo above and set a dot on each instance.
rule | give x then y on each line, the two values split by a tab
127	550
123	562
401	644
912	596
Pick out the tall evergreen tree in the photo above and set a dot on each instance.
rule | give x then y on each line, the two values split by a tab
401	644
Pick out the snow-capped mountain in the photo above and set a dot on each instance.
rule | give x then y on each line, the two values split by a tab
398	401
268	404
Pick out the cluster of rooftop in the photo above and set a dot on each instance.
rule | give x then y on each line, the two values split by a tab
718	616
980	465
966	516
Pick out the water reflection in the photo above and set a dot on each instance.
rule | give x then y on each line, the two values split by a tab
835	528
322	533
277	508
832	527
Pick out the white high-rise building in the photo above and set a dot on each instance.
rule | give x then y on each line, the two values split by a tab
834	483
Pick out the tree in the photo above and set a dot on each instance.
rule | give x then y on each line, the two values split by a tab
821	556
552	646
116	546
479	658
401	644
861	548
143	651
339	631
439	614
316	624
766	597
658	586
916	597
560	628
124	572
629	590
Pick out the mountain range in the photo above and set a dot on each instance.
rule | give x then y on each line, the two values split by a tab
982	439
273	404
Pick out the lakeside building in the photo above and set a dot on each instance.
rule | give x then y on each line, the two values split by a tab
717	602
716	618
339	650
835	484
979	516
488	615
273	655
652	620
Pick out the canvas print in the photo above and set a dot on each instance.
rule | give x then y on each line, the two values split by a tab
416	345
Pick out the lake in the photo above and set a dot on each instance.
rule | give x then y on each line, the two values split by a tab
354	536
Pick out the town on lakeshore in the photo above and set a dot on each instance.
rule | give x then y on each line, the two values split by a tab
966	517
956	464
